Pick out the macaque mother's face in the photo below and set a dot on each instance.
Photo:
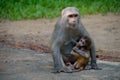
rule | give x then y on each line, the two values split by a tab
71	15
73	19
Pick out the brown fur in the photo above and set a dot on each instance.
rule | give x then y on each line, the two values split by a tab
82	61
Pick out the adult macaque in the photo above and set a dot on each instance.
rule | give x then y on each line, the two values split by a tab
68	29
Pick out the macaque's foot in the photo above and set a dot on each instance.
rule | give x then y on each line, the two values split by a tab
88	67
95	67
77	70
56	71
65	69
91	66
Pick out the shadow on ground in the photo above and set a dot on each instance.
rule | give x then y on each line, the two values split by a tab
24	64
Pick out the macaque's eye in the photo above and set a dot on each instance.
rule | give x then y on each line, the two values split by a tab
83	42
75	15
72	15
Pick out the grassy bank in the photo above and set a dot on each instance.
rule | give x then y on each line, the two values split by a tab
32	9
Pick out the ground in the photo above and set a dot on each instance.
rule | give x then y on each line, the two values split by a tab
36	34
25	49
25	64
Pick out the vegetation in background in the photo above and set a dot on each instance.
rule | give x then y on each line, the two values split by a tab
32	9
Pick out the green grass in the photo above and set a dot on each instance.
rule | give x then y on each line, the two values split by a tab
32	9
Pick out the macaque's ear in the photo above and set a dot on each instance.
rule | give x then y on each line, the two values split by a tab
88	47
88	44
62	13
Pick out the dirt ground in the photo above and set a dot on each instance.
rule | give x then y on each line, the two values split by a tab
26	64
36	34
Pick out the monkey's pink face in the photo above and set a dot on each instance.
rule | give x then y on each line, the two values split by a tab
73	19
82	42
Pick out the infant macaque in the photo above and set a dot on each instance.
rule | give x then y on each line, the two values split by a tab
80	51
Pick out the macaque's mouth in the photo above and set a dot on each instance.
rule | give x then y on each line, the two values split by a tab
73	24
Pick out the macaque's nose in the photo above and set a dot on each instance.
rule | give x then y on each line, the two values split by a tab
73	20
